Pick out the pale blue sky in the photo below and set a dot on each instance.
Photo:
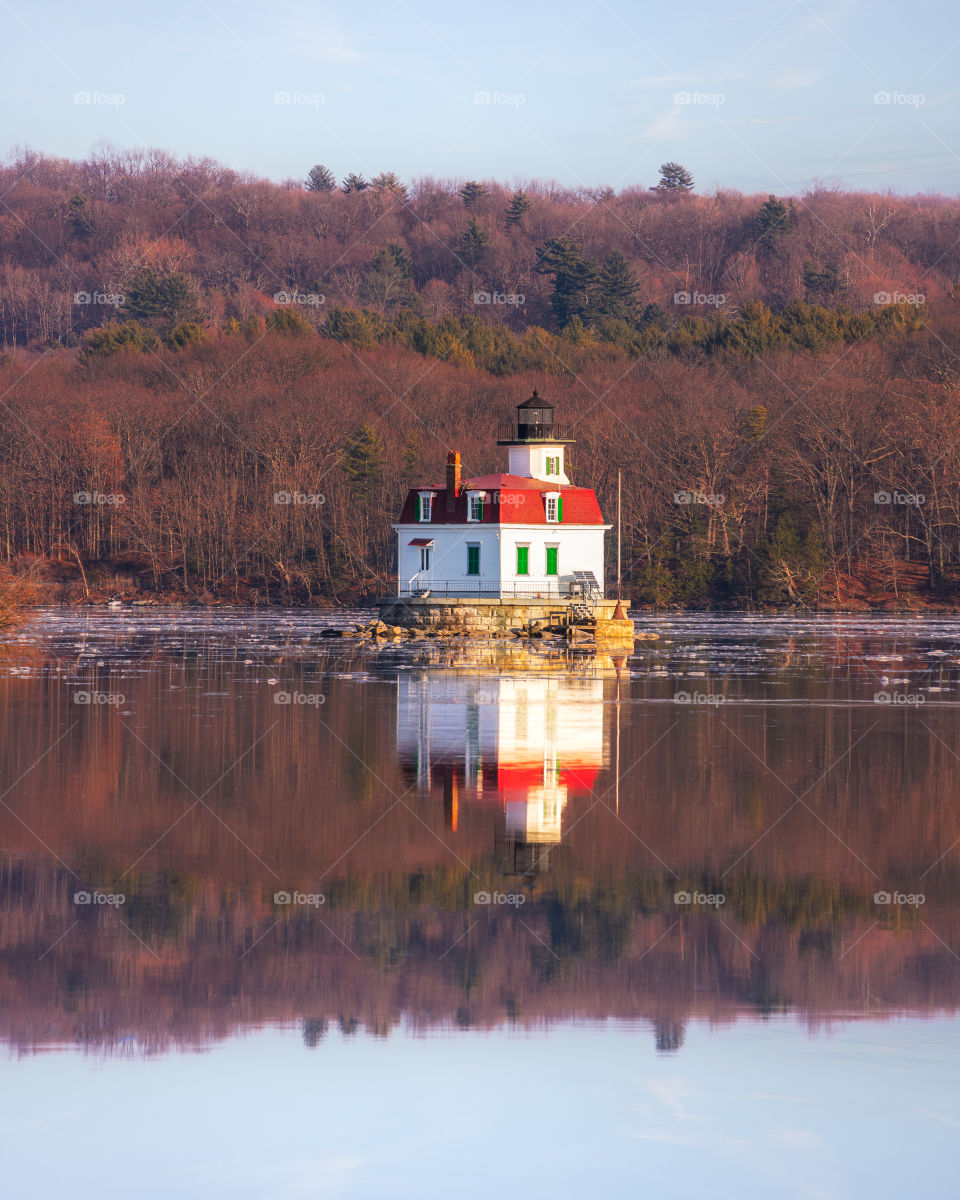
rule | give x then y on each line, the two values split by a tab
582	91
754	1110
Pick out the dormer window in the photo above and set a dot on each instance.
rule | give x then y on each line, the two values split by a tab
552	465
424	506
475	506
554	507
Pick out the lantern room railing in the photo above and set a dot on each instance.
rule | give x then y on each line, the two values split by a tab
508	431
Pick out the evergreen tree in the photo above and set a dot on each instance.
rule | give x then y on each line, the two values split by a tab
518	208
471	192
320	179
618	289
354	183
163	301
772	221
363	461
472	244
823	282
79	218
389	181
575	279
387	275
674	178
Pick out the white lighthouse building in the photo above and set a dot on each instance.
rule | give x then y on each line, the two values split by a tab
524	534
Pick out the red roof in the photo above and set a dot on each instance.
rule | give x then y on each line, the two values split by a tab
511	500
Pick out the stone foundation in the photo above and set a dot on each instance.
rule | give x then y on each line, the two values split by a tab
497	618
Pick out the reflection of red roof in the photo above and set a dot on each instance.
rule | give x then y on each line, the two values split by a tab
511	500
524	776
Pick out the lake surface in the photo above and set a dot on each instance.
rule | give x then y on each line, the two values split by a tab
291	916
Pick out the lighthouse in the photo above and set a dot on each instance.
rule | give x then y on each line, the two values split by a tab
524	534
494	553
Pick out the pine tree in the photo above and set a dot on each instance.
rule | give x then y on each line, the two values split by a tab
772	221
320	179
618	289
354	183
387	275
575	279
82	224
471	192
472	244
163	301
674	178
363	461
518	208
389	181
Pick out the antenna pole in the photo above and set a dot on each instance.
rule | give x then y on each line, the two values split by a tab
619	579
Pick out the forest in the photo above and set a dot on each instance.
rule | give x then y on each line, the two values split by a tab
216	387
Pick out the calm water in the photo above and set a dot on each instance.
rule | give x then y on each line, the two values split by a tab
288	916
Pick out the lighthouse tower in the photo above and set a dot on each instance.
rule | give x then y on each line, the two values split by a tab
506	548
536	445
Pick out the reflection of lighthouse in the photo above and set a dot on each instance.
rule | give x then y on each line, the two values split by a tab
525	741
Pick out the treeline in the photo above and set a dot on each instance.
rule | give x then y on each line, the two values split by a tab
268	462
144	236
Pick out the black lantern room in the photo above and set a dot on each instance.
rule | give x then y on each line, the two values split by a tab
534	424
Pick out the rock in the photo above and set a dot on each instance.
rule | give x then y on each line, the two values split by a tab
332	633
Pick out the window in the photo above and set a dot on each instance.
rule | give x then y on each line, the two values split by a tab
554	505
553	558
553	465
425	555
475	510
473	559
523	560
425	506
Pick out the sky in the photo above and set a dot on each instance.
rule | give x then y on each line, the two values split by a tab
751	1110
748	95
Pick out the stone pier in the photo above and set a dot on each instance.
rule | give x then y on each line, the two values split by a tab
501	617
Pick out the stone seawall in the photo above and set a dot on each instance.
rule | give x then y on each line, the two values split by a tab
497	618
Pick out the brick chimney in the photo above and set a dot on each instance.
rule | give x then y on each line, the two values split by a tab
453	479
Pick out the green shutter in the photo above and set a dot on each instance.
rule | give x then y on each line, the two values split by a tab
523	560
559	508
552	560
416	508
473	560
480	518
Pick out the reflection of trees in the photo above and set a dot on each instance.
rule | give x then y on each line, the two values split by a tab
669	1036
